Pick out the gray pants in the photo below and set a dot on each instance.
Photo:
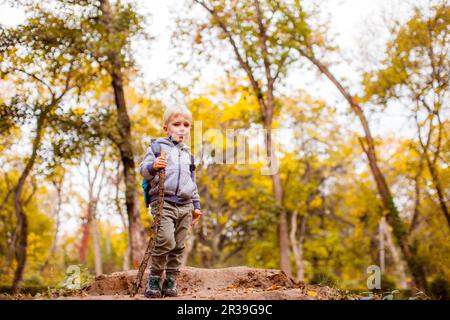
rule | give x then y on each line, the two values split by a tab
169	246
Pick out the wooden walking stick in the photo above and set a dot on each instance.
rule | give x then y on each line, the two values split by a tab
152	240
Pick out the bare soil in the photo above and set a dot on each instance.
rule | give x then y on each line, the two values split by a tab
234	283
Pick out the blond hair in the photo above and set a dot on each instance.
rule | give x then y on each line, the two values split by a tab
174	111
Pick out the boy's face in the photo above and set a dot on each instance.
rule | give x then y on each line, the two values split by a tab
179	127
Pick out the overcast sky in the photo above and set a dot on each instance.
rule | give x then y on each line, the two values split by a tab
348	20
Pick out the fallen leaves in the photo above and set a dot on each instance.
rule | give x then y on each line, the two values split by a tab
273	287
312	293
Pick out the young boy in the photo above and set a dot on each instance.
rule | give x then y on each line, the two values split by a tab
181	200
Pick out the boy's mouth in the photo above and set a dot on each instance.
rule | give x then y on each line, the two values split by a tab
178	137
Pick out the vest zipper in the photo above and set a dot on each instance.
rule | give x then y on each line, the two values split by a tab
179	173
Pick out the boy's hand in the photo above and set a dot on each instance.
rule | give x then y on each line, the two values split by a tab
196	216
160	162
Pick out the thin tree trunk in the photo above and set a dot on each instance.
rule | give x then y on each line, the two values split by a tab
95	232
21	218
400	232
9	247
136	229
439	190
283	236
297	245
86	231
58	222
126	258
417	190
97	251
107	240
398	262
431	164
283	232
381	233
137	236
189	246
90	219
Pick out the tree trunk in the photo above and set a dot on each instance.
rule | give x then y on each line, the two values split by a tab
417	200
97	251
283	236
137	236
438	187
415	265
58	222
397	261
21	218
86	231
9	238
189	246
283	240
381	233
126	258
136	229
431	164
21	247
297	245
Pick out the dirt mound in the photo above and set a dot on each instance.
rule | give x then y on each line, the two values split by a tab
263	279
196	279
115	283
235	283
